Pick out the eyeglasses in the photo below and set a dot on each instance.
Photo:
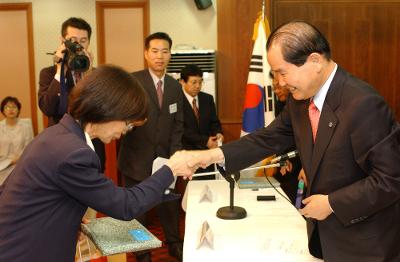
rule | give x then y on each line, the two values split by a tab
10	107
194	82
129	126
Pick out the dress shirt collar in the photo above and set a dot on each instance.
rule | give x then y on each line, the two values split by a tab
156	79
190	98
319	98
89	141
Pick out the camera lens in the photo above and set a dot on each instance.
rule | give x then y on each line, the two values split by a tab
79	63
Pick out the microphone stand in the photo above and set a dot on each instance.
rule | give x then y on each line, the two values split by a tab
233	212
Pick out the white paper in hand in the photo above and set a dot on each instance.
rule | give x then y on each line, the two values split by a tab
157	164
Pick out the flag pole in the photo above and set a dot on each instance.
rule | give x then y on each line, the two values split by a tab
263	10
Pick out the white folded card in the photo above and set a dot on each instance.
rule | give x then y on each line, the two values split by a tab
206	195
206	236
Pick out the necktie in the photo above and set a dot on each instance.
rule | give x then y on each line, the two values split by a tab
195	109
159	93
78	77
313	114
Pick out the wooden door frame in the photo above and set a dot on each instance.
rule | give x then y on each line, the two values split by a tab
31	57
101	5
111	149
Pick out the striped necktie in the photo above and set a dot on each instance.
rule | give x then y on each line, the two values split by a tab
159	93
195	109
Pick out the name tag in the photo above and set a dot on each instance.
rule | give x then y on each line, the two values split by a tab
173	108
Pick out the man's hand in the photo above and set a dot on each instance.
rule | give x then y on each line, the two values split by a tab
212	142
220	137
178	163
204	158
287	168
317	207
59	55
302	176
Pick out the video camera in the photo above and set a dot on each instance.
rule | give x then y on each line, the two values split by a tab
76	58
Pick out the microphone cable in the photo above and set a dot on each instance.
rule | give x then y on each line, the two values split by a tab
269	181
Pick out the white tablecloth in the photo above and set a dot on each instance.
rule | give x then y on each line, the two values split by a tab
272	230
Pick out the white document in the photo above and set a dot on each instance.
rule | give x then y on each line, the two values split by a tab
157	164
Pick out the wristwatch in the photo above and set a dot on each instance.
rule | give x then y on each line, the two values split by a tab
57	59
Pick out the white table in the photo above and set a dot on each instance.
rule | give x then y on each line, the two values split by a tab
272	230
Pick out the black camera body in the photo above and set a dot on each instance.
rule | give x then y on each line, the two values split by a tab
75	57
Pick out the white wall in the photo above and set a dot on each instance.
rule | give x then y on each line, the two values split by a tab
179	18
186	24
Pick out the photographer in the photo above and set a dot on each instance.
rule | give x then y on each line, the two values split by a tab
53	97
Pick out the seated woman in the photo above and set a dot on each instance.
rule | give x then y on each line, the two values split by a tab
59	175
15	135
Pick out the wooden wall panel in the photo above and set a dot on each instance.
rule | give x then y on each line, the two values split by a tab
235	29
364	37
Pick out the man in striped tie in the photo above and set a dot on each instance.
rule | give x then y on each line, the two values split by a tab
161	136
349	145
202	128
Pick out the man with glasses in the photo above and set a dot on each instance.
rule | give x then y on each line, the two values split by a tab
50	96
202	128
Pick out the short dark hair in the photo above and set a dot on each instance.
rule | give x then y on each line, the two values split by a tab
108	93
158	35
299	39
11	99
76	22
190	70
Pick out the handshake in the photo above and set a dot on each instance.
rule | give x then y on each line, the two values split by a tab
185	163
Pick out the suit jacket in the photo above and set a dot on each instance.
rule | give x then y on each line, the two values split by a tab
49	93
160	136
354	161
196	134
43	200
49	100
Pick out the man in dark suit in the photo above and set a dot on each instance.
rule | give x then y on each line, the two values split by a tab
350	154
202	128
286	175
161	136
50	95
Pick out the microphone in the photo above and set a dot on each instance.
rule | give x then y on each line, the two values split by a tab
285	156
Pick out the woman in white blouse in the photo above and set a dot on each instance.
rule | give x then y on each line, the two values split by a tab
15	135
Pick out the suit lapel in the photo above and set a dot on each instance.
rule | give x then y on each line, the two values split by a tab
327	122
167	94
326	127
151	89
306	137
203	109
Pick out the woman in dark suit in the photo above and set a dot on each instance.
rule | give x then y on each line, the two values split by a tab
59	175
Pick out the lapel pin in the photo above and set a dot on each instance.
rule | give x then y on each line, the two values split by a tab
330	124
